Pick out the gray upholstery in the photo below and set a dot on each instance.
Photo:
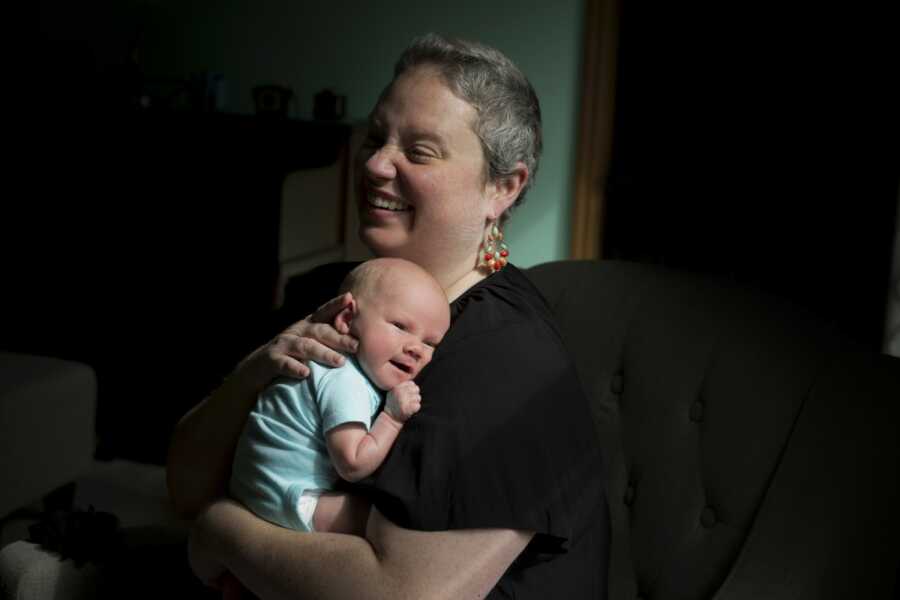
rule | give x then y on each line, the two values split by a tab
47	408
752	452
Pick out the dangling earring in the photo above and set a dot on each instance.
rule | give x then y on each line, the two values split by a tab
495	251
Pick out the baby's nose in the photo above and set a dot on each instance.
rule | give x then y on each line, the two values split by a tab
414	349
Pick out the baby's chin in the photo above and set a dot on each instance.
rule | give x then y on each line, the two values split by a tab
390	381
387	377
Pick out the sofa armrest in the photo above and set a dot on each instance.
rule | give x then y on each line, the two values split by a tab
828	525
47	411
29	573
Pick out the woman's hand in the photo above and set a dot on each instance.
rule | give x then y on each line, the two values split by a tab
314	338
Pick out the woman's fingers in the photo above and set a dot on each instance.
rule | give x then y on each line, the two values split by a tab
291	367
323	333
331	337
289	350
311	349
328	311
314	338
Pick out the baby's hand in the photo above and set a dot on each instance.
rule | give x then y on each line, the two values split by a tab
403	401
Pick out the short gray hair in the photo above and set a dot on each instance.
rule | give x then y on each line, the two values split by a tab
508	121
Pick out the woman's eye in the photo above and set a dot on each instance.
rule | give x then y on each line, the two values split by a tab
421	153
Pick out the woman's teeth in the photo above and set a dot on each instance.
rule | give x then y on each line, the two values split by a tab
380	202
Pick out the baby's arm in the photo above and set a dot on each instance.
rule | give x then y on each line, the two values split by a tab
355	452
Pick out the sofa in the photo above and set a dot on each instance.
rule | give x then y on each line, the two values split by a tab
751	449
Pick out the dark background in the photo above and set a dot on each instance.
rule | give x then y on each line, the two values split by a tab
144	242
761	147
761	144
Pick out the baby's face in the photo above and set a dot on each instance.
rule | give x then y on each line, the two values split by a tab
398	330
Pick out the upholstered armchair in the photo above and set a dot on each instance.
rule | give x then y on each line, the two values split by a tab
752	452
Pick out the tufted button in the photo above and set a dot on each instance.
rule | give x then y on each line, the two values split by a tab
697	411
617	384
629	495
708	517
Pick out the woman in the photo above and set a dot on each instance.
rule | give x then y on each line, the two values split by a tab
494	488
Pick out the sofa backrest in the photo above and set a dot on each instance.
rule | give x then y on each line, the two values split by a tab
752	453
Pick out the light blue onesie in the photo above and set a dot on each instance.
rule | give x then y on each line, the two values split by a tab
282	451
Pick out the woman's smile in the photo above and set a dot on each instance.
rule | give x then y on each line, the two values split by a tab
387	202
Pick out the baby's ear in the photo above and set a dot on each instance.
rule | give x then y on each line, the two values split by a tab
344	318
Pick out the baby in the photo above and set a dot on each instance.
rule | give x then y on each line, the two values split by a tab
303	435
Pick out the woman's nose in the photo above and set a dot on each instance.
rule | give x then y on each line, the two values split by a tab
381	164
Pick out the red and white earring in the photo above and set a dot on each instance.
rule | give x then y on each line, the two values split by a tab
495	251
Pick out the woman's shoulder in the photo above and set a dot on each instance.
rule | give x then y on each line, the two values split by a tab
505	299
507	317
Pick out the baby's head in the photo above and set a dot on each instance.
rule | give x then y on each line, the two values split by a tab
399	314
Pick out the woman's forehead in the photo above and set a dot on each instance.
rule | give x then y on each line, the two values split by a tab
419	101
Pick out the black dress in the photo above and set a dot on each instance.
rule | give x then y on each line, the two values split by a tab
504	439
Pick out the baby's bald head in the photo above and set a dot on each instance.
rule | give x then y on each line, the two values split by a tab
380	276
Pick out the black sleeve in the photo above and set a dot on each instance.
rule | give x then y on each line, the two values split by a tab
504	437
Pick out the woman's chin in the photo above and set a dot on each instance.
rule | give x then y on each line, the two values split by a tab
387	244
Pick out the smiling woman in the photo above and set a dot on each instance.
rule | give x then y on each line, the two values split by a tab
492	488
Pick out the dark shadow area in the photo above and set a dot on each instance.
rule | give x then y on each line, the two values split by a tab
760	146
145	237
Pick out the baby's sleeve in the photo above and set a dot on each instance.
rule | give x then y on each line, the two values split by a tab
345	396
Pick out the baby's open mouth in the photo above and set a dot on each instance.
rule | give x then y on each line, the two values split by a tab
402	367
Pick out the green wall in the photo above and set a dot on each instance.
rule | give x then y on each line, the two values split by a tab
351	46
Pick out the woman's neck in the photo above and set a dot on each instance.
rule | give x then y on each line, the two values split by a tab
456	287
455	276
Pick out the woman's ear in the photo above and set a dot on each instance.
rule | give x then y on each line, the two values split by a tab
344	318
505	190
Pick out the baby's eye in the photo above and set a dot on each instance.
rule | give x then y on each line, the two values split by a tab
400	326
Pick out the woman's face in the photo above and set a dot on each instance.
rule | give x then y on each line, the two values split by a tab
422	192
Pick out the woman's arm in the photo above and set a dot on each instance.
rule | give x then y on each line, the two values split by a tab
204	440
391	562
